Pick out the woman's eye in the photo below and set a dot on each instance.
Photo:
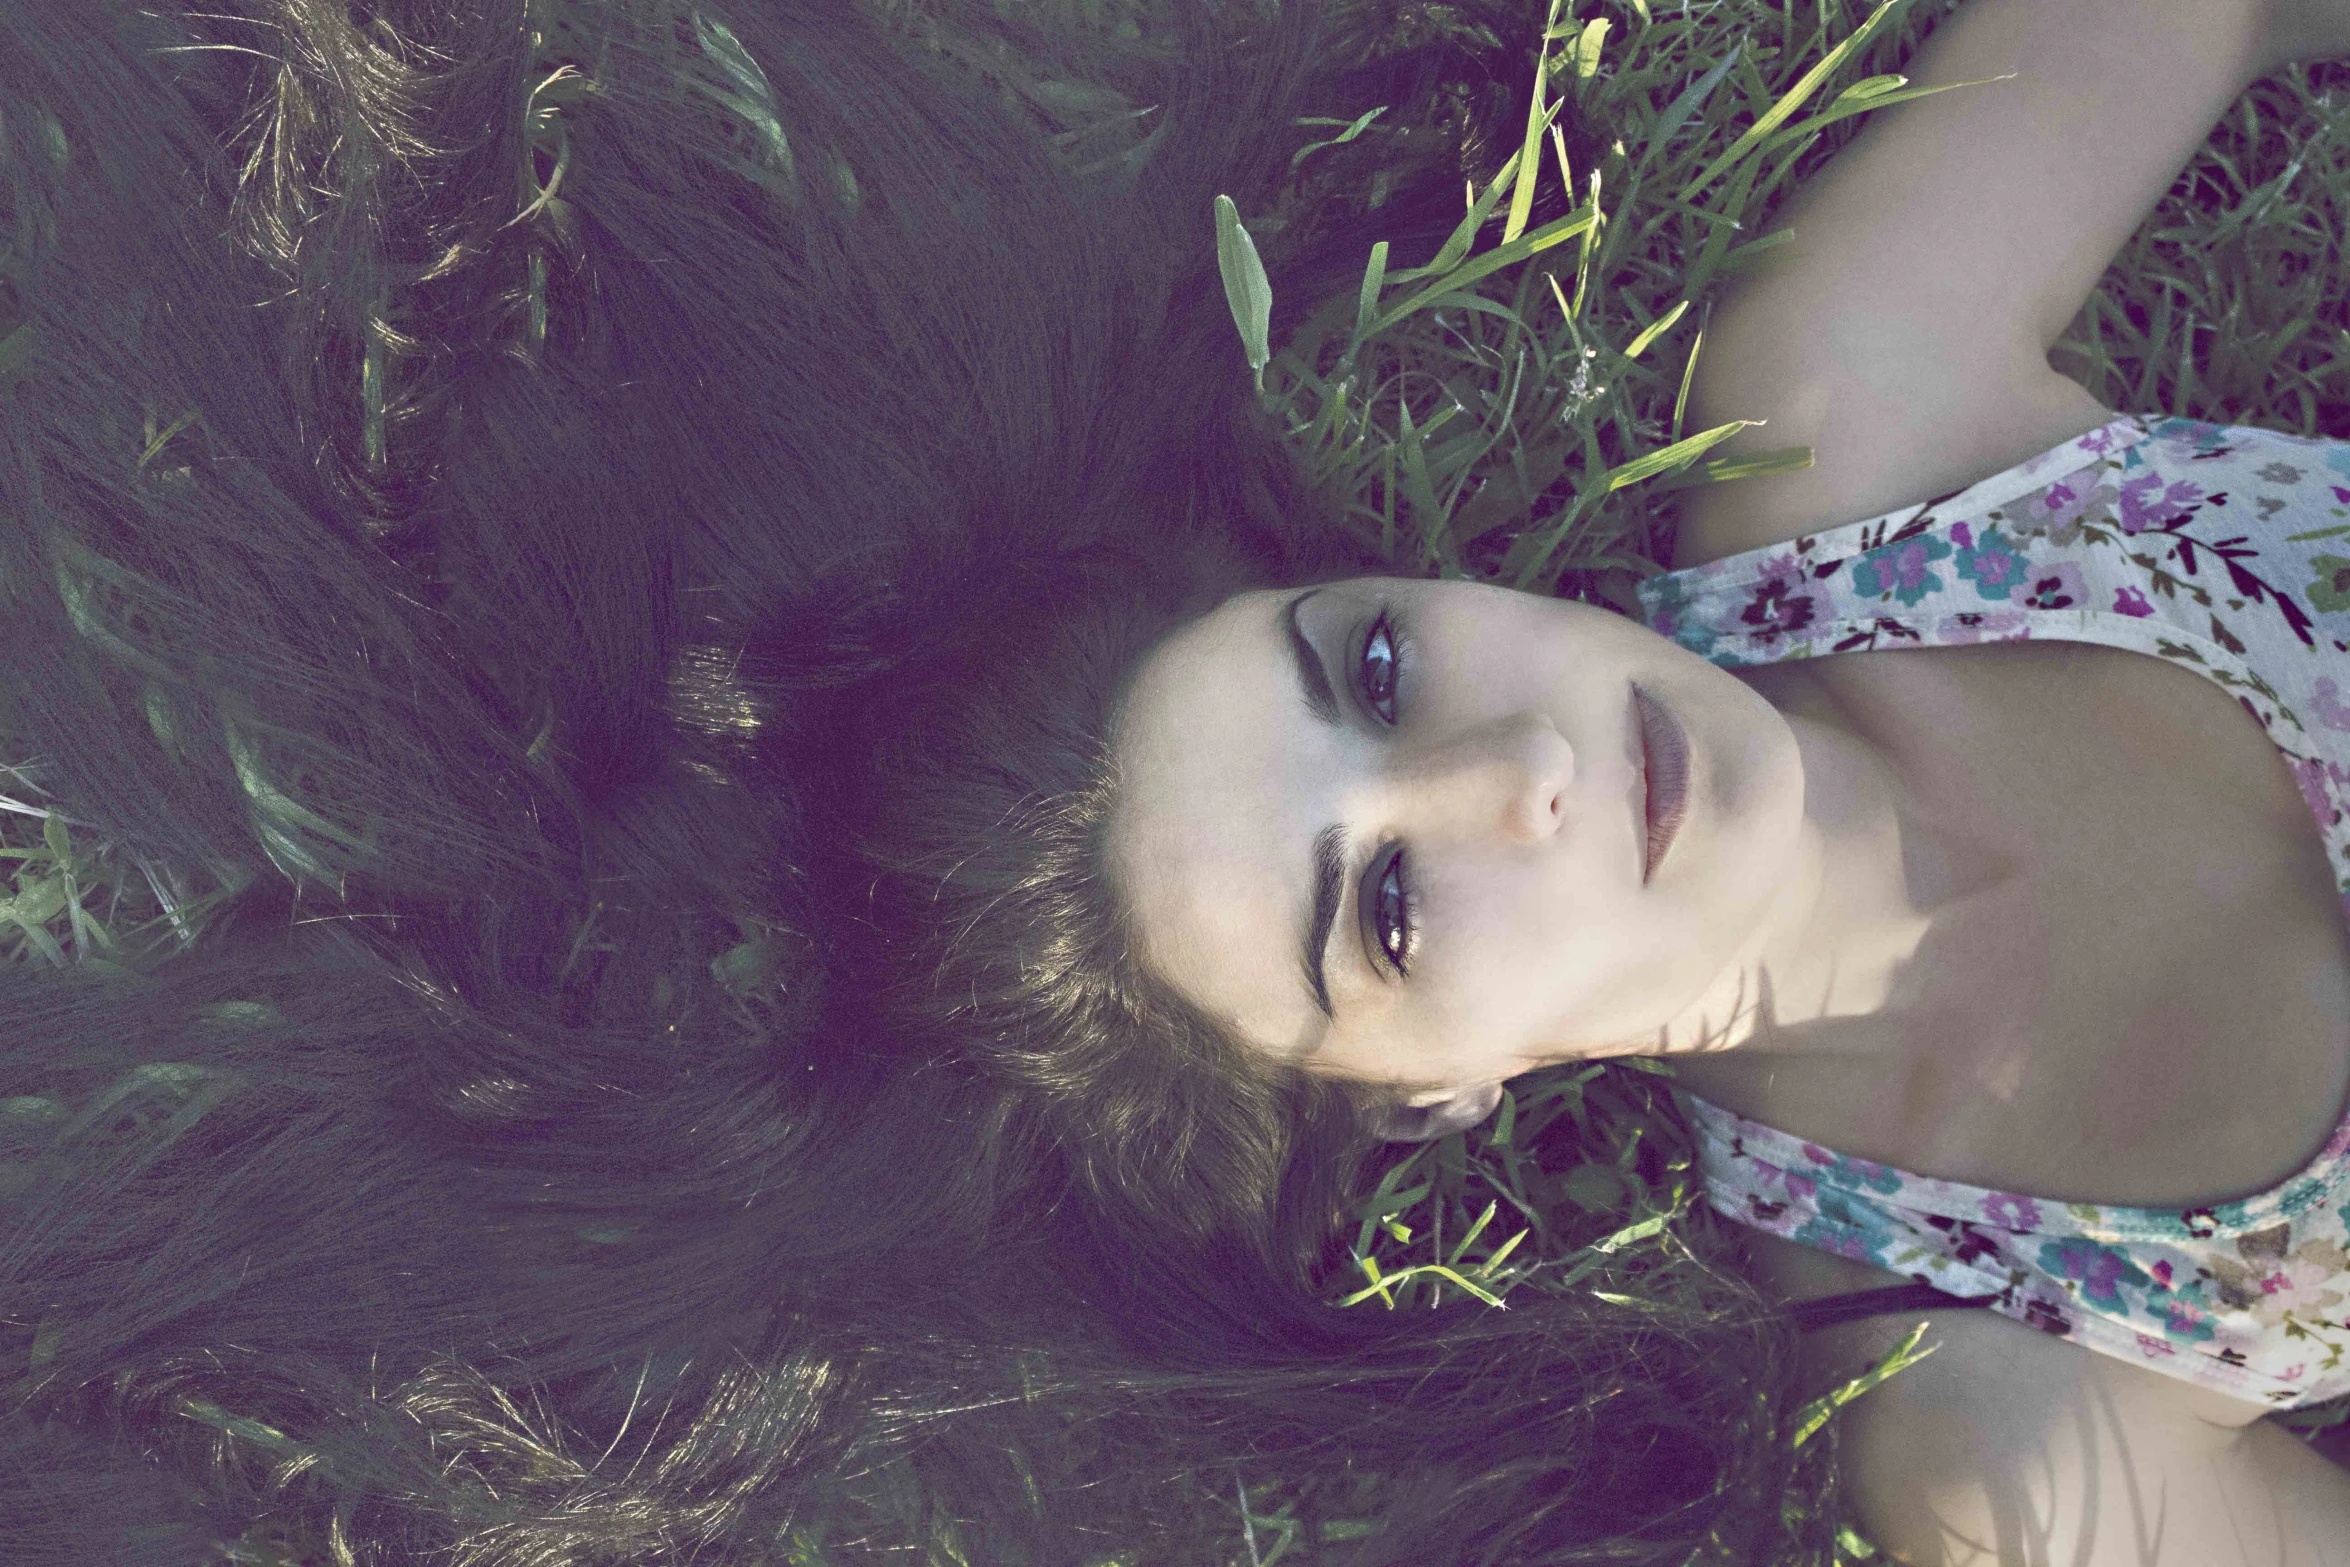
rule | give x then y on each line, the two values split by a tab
1391	915
1378	669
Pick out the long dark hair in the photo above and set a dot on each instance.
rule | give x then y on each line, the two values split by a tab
493	492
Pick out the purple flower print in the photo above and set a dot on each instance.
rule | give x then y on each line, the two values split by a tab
2146	503
2055	586
2162	1273
2186	1323
2101	1270
2315	791
1899	570
2099	441
2327	704
1781	602
1802	1187
2153	1348
1993	564
2129	601
2011	1212
1983	625
2058	511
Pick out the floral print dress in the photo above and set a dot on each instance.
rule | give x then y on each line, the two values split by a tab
2224	549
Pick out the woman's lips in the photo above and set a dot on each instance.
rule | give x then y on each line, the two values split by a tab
1664	769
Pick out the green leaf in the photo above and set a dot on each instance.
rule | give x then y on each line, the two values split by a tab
1487	1268
1785	459
1588	46
1903	1355
1374	279
1464	234
1795	97
1538	117
1462	1247
1842	110
1246	288
155	447
1746	255
1381	1284
1654	330
1557	231
1694	97
1871	87
1417	488
1678	455
1361	125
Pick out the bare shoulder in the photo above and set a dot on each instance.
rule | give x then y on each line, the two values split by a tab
1880	442
2008	1447
1973	1346
1902	331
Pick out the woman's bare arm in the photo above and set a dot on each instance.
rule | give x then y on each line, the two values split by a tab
2010	1448
1903	332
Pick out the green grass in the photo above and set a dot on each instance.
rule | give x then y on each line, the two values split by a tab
1514	413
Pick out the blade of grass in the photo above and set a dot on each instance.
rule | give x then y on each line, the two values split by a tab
1816	1414
1538	118
1246	288
1535	242
1795	97
1841	110
1678	455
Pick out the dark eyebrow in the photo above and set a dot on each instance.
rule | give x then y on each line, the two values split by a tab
1330	842
1329	880
1310	674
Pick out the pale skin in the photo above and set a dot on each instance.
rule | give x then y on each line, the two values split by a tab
1822	937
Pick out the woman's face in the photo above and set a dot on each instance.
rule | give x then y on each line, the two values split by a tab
1399	830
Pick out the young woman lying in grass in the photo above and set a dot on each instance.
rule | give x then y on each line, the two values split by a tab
694	1063
1964	826
459	461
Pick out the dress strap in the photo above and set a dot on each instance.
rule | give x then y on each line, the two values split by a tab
1832	1310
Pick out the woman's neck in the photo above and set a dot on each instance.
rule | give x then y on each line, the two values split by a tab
1873	877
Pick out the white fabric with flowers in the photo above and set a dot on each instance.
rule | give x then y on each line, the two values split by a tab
2224	549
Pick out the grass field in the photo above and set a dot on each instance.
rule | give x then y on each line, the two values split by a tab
1514	412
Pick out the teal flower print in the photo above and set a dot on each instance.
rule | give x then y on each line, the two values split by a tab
1668	599
1993	564
2331	588
1900	570
2100	1270
1853	1174
2186	1323
1837	1239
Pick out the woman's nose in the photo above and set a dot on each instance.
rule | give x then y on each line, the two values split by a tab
1510	776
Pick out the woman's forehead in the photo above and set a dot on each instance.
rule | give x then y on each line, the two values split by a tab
1208	755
